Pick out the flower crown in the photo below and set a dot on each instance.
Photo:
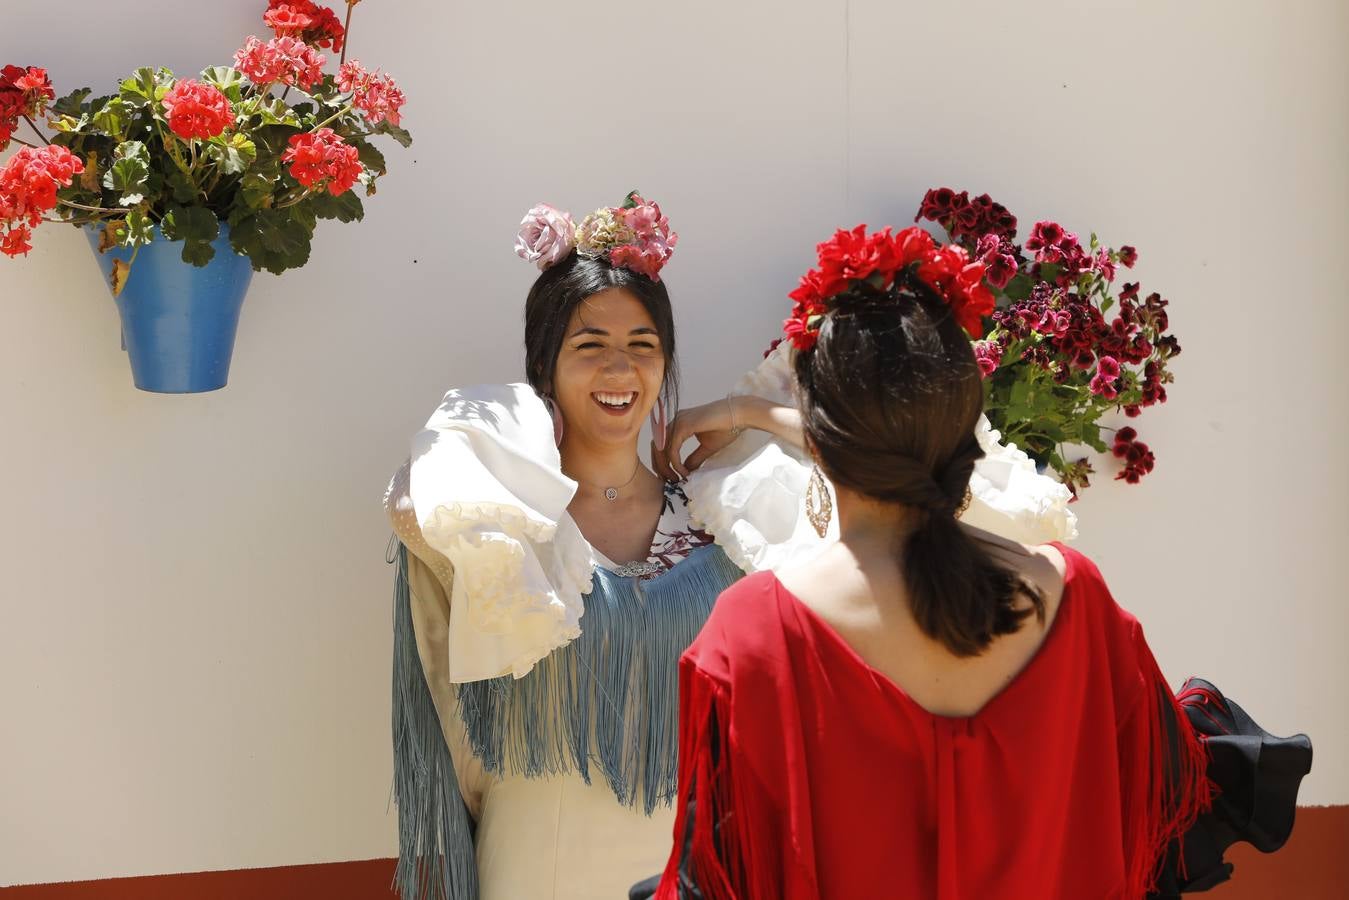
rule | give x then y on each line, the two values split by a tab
635	236
884	261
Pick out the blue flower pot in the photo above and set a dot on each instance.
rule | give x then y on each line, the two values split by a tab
178	320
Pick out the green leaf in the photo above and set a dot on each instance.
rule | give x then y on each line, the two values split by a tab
344	208
233	154
1091	436
68	124
304	217
111	117
197	253
145	86
1019	287
272	140
277	112
71	104
273	239
228	81
393	131
137	231
181	188
256	189
190	223
1049	271
129	171
370	157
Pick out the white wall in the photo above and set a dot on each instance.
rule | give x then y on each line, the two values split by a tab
194	609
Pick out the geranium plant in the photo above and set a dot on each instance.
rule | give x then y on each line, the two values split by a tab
269	145
1055	360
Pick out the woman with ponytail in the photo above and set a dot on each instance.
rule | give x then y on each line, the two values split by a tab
923	709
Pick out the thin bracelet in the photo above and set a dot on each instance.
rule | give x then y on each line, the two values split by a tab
730	407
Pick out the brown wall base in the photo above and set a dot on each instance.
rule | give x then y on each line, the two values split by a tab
1313	866
366	880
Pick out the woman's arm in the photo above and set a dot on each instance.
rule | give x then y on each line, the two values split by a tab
715	425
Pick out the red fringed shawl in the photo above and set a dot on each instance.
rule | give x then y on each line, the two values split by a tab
814	776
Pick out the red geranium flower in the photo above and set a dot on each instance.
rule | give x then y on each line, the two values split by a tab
24	91
307	21
322	159
283	60
28	185
377	96
197	110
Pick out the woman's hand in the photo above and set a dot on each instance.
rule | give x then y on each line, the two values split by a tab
710	423
715	425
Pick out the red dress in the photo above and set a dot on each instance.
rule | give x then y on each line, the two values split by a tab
807	774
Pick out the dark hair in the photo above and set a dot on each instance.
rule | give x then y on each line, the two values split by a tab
890	397
564	286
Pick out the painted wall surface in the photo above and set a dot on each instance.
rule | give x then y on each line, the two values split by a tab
194	606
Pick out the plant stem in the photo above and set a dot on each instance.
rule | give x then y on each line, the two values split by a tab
294	200
346	32
337	115
95	209
36	131
23	143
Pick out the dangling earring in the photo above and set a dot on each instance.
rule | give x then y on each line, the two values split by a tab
557	419
659	424
964	503
819	506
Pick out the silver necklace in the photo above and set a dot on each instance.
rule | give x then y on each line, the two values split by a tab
610	493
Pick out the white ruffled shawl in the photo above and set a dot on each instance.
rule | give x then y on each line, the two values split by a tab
486	488
750	495
488	492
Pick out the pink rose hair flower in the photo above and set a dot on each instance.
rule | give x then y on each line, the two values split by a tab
377	96
197	110
652	242
321	159
546	236
283	60
636	236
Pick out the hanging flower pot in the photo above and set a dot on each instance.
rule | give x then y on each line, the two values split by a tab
178	320
186	186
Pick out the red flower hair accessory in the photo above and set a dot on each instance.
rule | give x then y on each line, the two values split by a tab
880	260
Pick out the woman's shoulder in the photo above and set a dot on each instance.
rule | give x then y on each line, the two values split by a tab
744	630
